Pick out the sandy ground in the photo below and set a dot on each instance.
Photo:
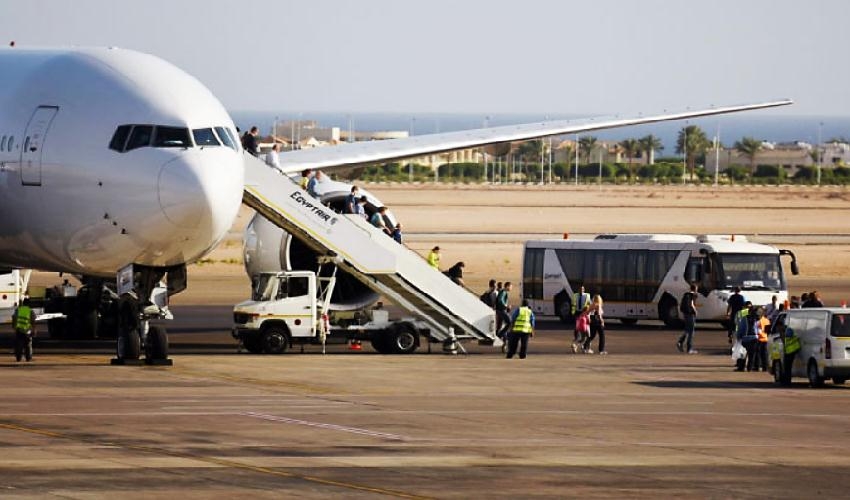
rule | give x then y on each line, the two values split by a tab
485	226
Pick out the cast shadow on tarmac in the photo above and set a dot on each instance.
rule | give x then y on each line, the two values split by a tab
710	384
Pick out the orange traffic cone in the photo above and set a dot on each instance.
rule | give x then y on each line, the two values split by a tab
355	346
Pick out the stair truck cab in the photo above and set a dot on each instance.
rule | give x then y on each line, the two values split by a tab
823	352
291	307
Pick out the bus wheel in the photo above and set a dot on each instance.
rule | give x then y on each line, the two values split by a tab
563	306
628	321
668	312
815	380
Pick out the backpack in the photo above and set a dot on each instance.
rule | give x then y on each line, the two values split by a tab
487	298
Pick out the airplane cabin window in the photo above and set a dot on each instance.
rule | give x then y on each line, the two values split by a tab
172	137
120	138
3	144
205	137
10	143
27	144
141	137
225	137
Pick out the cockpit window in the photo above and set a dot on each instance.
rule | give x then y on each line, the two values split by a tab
140	137
120	138
172	137
225	137
205	137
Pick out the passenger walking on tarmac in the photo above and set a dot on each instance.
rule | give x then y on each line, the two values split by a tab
762	326
351	201
804	297
814	300
733	305
456	273
522	329
742	328
489	295
496	301
688	308
503	308
434	258
597	326
581	299
249	141
772	310
23	320
582	330
273	158
306	175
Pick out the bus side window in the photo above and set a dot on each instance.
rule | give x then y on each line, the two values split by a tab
693	272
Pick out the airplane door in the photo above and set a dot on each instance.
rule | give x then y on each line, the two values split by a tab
33	142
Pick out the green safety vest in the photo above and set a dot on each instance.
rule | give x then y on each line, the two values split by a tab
23	319
584	298
522	324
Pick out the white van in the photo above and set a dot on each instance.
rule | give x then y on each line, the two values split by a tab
824	352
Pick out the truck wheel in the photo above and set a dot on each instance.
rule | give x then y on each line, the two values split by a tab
253	343
668	312
129	344
380	343
157	345
405	339
275	340
815	380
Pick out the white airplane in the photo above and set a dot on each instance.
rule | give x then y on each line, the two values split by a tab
121	169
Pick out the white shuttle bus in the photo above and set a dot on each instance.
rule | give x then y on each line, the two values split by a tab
643	276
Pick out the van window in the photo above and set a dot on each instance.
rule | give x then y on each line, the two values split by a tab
797	323
840	325
816	324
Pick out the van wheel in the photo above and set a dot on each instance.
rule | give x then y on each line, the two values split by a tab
815	380
275	340
838	380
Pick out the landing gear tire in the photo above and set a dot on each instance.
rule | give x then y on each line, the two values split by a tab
668	312
156	347
275	340
129	345
404	339
253	343
815	380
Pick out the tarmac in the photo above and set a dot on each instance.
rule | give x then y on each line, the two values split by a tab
643	421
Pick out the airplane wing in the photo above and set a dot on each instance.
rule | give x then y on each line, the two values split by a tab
361	153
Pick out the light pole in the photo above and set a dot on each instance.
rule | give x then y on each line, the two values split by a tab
410	163
685	159
576	159
820	149
600	168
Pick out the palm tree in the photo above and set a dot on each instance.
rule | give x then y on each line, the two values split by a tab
749	147
630	147
586	145
649	144
693	143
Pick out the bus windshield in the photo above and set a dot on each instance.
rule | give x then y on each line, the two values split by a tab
750	271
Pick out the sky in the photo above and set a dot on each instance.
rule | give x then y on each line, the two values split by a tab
474	56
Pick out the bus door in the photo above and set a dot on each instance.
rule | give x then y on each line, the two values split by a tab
638	289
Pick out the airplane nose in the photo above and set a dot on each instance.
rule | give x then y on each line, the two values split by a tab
201	194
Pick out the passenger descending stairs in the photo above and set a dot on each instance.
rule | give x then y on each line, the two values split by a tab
365	252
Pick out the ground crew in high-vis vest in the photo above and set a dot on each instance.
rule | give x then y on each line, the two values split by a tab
522	328
580	301
23	320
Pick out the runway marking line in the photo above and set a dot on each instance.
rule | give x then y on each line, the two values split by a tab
321	425
213	460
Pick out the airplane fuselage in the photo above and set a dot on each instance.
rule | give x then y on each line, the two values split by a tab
110	157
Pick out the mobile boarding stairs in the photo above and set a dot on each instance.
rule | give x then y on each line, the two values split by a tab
367	253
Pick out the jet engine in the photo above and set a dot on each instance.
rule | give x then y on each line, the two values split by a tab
269	248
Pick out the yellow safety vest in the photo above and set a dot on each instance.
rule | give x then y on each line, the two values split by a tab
23	319
434	260
522	323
